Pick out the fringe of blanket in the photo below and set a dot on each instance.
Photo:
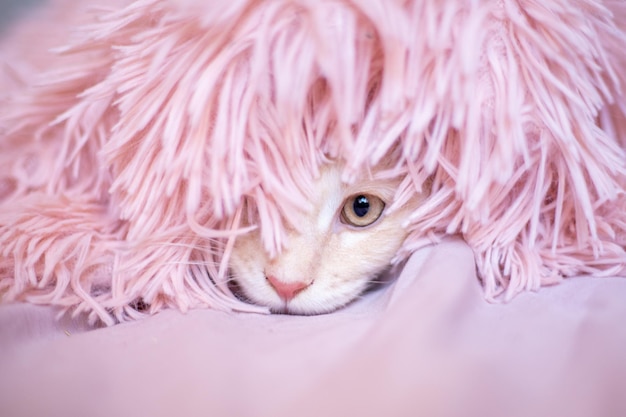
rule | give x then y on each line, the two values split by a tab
126	164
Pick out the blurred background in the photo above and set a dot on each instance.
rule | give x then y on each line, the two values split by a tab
11	9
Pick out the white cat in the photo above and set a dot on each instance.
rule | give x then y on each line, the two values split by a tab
346	240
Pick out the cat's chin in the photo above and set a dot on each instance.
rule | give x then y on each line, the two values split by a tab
294	307
285	310
295	311
306	306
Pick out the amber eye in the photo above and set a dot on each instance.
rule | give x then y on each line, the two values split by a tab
362	210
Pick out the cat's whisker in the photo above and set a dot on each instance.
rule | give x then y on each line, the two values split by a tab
211	245
190	263
196	252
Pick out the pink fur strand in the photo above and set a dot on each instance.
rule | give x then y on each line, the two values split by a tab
129	152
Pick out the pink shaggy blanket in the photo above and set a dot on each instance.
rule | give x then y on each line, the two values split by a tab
127	153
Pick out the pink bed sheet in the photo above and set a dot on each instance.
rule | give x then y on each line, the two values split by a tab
426	345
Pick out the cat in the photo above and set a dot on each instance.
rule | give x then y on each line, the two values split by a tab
344	241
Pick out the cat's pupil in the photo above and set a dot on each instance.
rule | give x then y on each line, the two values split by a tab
361	206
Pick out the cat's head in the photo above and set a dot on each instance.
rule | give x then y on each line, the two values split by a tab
344	242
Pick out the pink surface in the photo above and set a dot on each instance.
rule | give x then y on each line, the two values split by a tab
426	345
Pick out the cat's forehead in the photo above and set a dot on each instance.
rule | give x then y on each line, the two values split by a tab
331	184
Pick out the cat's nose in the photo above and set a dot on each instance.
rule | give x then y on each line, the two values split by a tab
287	290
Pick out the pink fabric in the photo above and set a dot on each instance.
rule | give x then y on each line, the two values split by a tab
427	345
127	154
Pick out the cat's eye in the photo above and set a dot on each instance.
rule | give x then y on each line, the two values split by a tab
362	210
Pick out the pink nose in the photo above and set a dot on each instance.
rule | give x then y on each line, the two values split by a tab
286	290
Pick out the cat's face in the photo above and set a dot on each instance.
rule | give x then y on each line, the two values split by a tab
345	241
